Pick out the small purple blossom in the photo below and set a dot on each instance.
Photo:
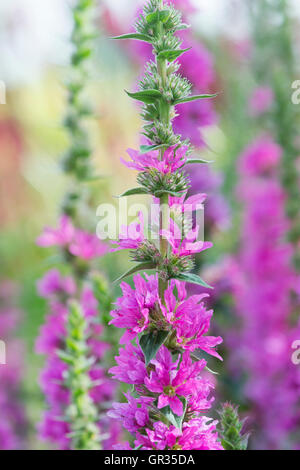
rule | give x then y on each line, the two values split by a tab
186	246
54	284
131	237
133	308
62	236
173	159
134	414
87	246
131	366
171	384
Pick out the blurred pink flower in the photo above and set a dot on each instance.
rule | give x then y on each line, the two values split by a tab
260	157
261	101
87	246
61	236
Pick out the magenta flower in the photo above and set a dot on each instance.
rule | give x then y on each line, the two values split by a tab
131	367
53	283
61	236
190	204
171	384
261	101
261	157
87	246
187	246
198	434
131	237
53	429
134	414
53	331
173	159
13	422
185	6
197	64
78	242
190	319
262	341
133	308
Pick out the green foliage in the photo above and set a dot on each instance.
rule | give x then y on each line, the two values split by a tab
139	37
193	279
174	419
160	90
136	269
77	159
81	414
134	191
231	429
151	342
157	183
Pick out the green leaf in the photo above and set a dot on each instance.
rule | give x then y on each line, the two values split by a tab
151	342
149	148
172	417
65	357
158	16
133	191
197	160
211	371
227	445
193	279
135	269
146	96
171	54
171	193
138	36
194	98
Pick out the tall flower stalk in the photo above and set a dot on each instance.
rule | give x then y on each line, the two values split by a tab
165	330
74	379
262	366
277	78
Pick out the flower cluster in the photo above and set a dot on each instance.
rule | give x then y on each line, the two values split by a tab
74	380
76	242
141	308
262	342
13	421
55	427
169	391
165	330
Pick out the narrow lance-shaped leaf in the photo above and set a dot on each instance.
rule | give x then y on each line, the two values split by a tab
193	279
137	36
151	342
150	148
194	98
171	55
172	417
190	161
135	269
146	96
133	191
171	193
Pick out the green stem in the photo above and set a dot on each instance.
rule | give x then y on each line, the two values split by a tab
164	200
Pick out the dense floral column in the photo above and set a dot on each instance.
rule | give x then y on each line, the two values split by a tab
260	354
74	380
165	329
13	423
